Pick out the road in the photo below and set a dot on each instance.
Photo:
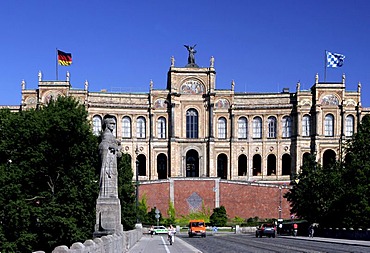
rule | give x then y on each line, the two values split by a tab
246	243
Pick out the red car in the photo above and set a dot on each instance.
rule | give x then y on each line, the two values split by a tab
266	229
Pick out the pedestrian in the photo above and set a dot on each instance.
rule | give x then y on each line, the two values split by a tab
295	229
151	231
311	231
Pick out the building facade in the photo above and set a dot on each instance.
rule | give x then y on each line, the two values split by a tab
191	129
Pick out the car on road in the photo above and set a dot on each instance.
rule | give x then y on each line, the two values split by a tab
160	230
266	229
197	227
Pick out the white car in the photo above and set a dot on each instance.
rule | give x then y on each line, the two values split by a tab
160	230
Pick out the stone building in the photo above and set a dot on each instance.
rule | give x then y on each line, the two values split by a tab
192	129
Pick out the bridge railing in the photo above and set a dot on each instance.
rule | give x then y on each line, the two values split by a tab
116	243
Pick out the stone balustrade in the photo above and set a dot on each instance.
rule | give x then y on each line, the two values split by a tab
116	243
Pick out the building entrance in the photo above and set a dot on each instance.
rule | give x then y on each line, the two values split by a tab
192	163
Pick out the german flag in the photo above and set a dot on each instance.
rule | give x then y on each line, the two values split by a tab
64	59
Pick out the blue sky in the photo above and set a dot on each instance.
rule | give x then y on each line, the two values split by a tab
264	45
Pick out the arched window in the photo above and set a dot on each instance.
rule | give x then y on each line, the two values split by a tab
257	127
286	164
140	127
242	128
126	127
329	125
221	128
222	166
349	125
192	124
97	124
242	165
306	123
141	159
161	128
257	165
271	125
271	165
287	126
162	166
329	158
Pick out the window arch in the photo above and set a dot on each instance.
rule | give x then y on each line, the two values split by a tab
306	125
329	125
287	126
141	159
162	166
257	127
222	128
222	166
126	127
271	125
350	120
161	127
97	124
271	165
286	164
257	164
191	124
329	158
140	127
242	128
242	165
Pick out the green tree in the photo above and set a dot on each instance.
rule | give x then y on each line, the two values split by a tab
355	202
338	195
48	179
171	213
126	192
219	217
142	212
314	195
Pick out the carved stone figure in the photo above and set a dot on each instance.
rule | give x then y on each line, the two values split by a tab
86	85
191	57
109	150
172	61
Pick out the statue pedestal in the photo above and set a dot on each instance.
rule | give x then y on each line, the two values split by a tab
108	217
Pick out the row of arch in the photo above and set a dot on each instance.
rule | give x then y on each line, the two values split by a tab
192	167
192	126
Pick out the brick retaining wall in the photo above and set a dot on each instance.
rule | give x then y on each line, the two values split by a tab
243	199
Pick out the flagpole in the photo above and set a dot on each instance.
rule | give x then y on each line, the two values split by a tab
56	64
325	62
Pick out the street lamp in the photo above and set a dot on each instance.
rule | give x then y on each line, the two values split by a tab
137	184
280	208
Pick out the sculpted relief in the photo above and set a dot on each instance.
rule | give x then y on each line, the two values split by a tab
192	87
329	100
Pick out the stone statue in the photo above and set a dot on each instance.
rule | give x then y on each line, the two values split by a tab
212	62
67	76
172	61
86	85
191	58
23	84
109	150
40	76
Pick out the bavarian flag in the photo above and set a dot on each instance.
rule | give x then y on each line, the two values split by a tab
64	59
